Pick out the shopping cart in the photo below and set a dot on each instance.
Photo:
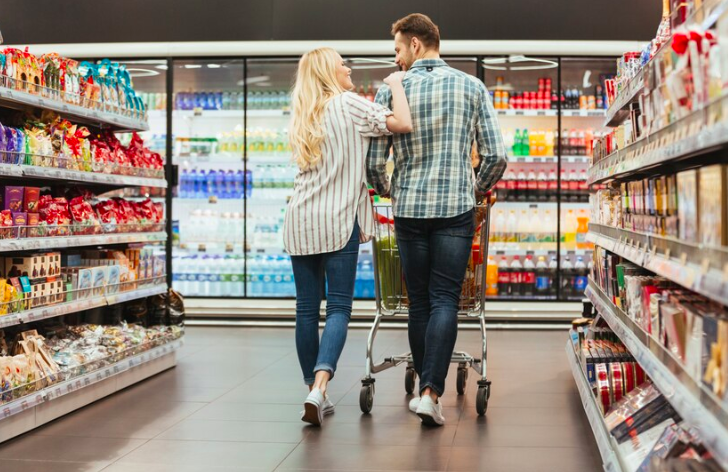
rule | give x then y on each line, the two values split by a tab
391	299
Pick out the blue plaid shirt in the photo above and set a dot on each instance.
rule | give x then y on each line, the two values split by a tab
433	174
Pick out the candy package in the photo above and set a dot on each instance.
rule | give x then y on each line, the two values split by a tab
107	212
84	217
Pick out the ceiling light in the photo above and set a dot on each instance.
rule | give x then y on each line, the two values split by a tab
213	66
193	66
162	67
368	63
135	72
504	63
254	80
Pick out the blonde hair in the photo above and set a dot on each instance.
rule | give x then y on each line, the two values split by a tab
316	84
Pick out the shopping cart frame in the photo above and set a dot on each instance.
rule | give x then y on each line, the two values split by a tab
475	309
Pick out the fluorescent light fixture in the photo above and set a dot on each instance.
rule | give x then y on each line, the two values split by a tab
368	63
254	80
138	72
162	67
213	66
527	63
193	66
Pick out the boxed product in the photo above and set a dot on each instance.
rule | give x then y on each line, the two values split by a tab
98	276
31	197
13	200
712	204
84	283
114	277
687	205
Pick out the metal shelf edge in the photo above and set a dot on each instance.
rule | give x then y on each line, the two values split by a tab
9	245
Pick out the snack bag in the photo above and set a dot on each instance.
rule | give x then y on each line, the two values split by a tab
84	217
107	212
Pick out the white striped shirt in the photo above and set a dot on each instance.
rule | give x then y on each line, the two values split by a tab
328	197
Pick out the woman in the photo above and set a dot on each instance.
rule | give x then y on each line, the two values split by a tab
330	212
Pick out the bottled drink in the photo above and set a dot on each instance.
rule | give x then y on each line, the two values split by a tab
500	231
567	278
491	278
512	228
511	184
184	182
212	184
367	279
582	228
580	277
244	183
523	227
201	185
533	144
517	143
237	276
516	277
553	184
569	230
543	281
542	187
549	142
528	277
553	267
521	186
526	140
549	234
504	278
532	185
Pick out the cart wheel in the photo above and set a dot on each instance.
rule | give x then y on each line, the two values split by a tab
366	398
409	380
481	400
462	380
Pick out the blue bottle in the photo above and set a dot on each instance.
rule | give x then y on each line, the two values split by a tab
211	184
184	183
218	101
239	182
220	184
248	183
201	185
192	184
229	183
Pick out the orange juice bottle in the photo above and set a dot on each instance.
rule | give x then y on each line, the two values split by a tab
582	228
491	278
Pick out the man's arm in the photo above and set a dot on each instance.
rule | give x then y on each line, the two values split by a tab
379	151
491	148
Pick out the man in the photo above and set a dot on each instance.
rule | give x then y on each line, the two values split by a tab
433	193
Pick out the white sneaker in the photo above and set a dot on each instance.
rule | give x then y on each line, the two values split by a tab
313	408
414	404
430	412
328	406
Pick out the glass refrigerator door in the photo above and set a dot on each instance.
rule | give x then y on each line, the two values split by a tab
208	205
270	176
582	83
523	232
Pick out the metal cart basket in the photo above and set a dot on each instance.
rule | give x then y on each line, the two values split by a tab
391	300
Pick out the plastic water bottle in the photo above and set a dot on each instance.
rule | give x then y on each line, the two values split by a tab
193	276
214	286
237	277
252	276
193	184
200	184
239	183
553	267
543	281
183	184
367	279
220	184
229	184
248	183
212	184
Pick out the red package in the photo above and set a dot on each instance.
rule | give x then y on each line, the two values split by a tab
83	214
146	210
6	218
127	215
108	212
54	212
158	212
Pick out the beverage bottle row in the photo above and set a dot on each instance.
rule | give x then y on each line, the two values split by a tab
210	226
209	276
525	184
209	100
262	140
369	94
154	101
269	100
539	143
270	276
215	183
267	230
526	226
528	279
270	179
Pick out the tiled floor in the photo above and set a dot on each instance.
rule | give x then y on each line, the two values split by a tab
233	403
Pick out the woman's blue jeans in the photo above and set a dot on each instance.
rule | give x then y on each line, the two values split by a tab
310	272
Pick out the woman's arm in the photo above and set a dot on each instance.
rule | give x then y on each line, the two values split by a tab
401	120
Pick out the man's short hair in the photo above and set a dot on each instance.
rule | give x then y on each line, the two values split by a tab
419	26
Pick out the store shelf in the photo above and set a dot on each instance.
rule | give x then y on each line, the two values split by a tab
27	413
52	173
695	135
552	113
549	159
62	242
618	111
17	99
605	442
62	309
699	268
221	114
697	405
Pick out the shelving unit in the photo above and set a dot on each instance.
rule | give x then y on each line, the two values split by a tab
25	414
73	388
690	398
553	113
605	441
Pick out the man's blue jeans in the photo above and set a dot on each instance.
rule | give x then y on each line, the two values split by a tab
339	269
434	255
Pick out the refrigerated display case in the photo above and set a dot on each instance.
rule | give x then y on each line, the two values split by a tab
235	172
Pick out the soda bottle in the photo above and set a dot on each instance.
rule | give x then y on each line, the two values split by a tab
532	185
567	278
569	230
543	281
526	143
553	184
582	229
521	186
528	281
553	267
580	277
491	278
542	187
504	278
533	144
516	277
517	143
511	185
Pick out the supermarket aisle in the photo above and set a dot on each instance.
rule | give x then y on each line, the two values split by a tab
233	401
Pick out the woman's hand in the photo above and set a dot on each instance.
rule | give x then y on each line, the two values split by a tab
395	78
